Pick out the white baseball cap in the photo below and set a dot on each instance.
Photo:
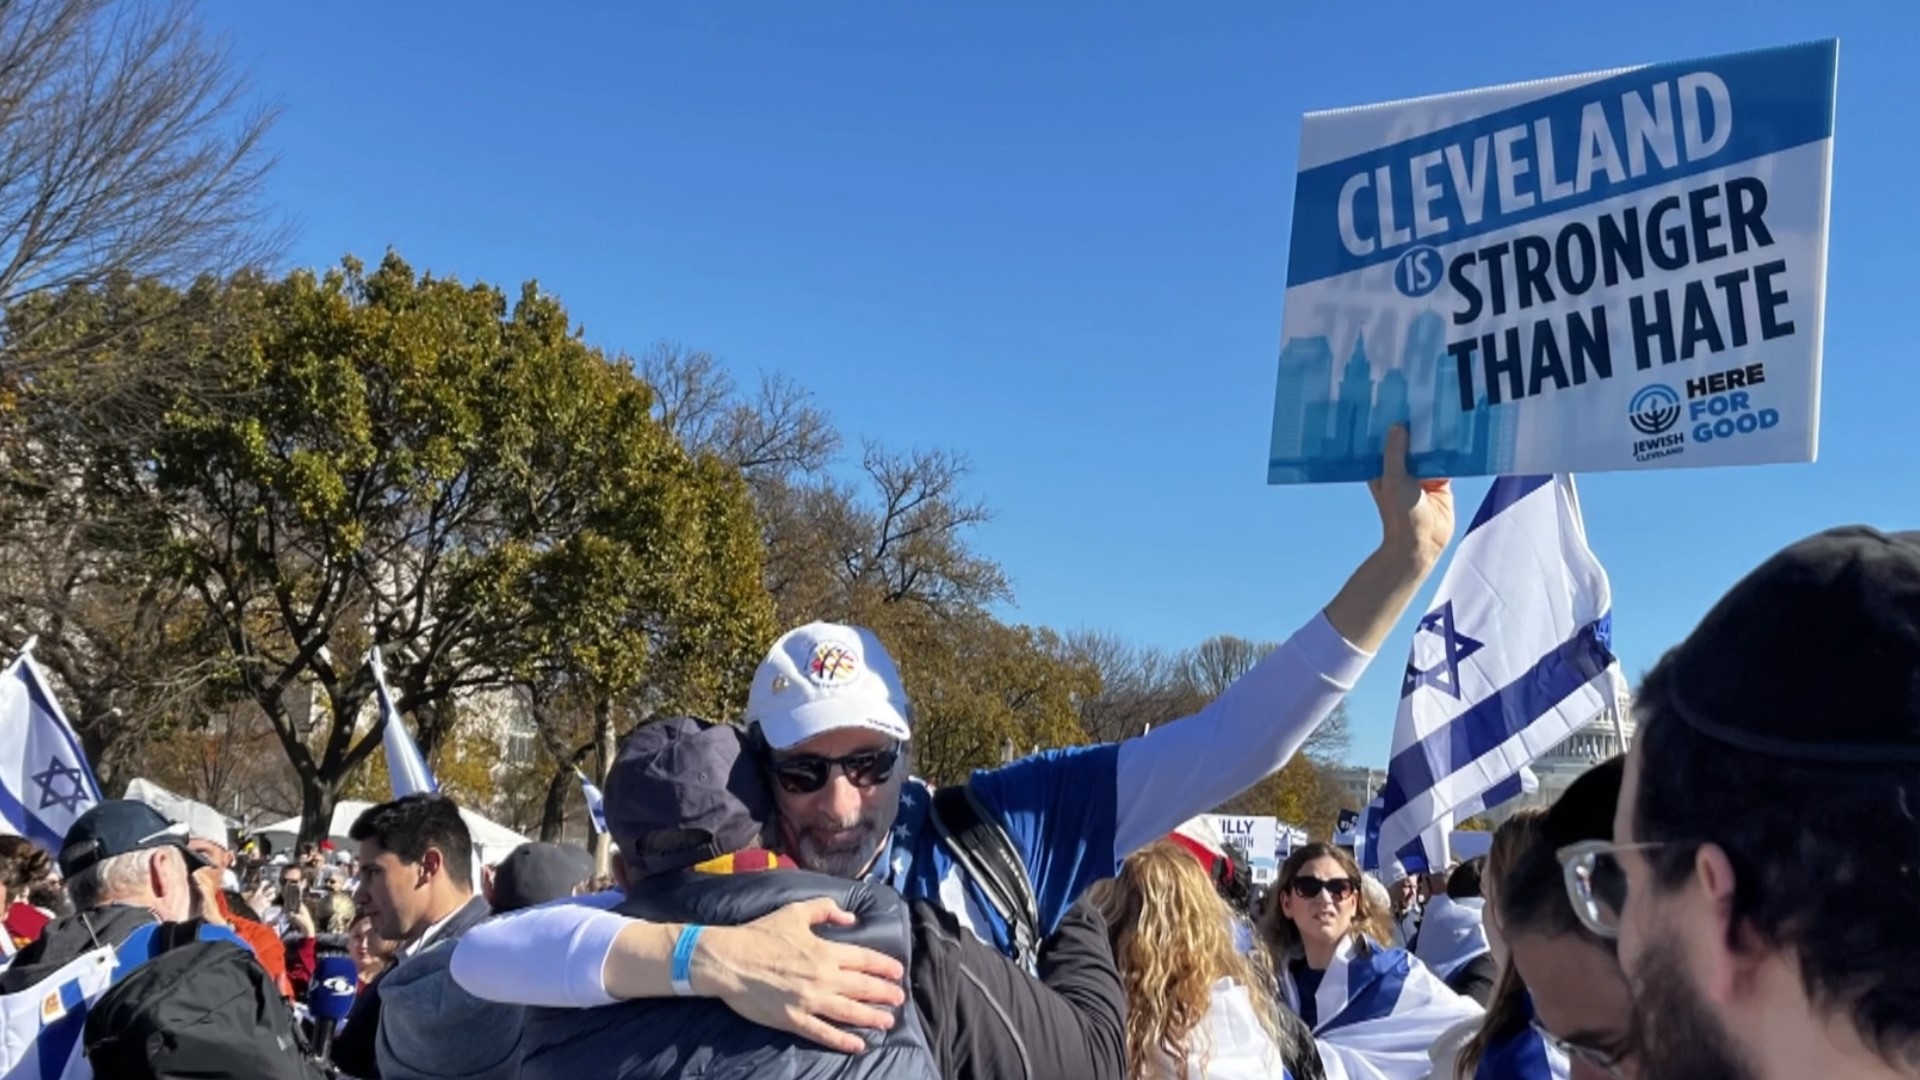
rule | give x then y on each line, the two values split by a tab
824	677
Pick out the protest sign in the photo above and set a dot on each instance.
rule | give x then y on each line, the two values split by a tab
1256	839
1619	270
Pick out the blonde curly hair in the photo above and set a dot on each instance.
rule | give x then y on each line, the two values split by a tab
1172	940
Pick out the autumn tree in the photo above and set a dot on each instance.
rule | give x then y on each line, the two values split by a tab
131	164
129	150
883	541
652	604
388	456
1139	686
132	654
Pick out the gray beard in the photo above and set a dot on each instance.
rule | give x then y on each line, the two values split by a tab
851	865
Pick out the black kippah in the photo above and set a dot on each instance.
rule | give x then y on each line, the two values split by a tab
1585	810
1814	656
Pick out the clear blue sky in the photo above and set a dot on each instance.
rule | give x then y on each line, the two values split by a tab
1055	241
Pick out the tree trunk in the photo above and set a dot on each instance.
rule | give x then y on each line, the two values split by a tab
553	815
317	799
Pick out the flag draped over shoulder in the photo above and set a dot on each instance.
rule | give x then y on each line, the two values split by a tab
1514	656
41	1026
405	765
45	780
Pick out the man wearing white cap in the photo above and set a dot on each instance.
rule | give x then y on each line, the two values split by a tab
836	729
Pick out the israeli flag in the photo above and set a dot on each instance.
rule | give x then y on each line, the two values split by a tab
41	1026
596	803
1514	656
405	767
45	781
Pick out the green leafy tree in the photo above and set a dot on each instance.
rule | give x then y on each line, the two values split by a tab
389	458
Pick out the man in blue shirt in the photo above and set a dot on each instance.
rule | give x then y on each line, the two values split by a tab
836	727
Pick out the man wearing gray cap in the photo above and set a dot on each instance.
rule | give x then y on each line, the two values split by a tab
1765	868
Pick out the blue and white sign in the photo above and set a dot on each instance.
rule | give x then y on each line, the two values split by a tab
1257	840
1619	270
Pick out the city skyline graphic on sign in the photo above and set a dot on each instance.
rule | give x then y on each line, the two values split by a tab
1328	431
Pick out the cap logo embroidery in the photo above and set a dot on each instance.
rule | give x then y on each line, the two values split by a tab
833	664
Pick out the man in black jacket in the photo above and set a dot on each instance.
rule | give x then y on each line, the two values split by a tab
689	808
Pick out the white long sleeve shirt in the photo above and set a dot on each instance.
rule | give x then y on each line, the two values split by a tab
1074	814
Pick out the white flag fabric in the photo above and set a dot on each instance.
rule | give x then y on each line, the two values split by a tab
45	780
596	803
1515	655
40	1027
405	767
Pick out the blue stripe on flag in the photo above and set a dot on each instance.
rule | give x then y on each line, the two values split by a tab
1506	491
1383	973
58	1041
1510	788
1482	728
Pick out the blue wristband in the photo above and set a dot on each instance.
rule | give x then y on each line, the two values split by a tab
683	959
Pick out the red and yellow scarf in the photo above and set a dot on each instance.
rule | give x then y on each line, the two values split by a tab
748	861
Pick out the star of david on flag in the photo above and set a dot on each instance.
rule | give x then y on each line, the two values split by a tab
1514	656
1443	674
45	780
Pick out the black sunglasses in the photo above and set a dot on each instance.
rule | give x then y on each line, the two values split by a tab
804	774
1306	887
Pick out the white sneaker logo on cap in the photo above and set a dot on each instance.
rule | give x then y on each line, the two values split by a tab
833	664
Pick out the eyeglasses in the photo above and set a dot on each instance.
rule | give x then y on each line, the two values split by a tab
805	774
1607	1061
1596	883
1307	887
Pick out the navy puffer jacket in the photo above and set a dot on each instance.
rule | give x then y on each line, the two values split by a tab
701	1037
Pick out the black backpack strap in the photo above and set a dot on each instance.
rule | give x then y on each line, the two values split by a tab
980	844
172	935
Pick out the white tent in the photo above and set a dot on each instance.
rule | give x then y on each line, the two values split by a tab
179	809
492	841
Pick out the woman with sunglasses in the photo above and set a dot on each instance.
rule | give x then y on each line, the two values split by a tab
1374	1009
1505	1044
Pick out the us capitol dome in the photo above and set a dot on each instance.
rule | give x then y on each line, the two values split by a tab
1590	744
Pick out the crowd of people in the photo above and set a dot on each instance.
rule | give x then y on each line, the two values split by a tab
1732	899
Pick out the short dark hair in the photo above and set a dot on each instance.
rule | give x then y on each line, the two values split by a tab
1464	882
1824	858
411	824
